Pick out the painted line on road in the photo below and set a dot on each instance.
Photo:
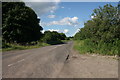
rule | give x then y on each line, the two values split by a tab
59	45
16	62
52	48
10	65
21	60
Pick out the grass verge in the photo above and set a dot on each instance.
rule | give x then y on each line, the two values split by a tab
22	47
8	46
86	46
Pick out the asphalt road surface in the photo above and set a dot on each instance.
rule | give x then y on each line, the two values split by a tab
50	62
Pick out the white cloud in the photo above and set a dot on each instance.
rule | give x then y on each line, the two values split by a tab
74	19
65	21
53	9
57	30
92	17
62	7
41	7
51	16
65	31
77	30
43	31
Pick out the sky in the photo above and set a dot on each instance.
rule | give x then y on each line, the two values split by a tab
65	17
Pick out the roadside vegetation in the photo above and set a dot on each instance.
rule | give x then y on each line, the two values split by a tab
9	46
87	46
21	29
101	34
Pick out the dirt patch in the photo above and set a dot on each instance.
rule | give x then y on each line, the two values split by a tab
90	66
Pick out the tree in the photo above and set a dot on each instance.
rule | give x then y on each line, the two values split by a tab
53	37
101	34
103	27
62	36
20	23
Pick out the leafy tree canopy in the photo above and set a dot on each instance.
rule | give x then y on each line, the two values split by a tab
103	27
20	23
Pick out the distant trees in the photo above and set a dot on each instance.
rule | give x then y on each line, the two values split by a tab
19	23
53	37
62	36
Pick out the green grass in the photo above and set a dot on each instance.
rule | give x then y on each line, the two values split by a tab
9	47
81	47
21	47
86	46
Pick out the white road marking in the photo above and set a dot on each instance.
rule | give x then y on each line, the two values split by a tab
16	62
10	64
59	45
21	60
53	48
24	59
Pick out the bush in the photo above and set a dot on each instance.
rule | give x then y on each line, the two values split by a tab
88	46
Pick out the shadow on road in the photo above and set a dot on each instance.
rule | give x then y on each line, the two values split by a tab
56	42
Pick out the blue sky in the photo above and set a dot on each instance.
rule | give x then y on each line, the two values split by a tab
66	17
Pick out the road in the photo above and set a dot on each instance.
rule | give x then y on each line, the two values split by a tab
41	62
50	62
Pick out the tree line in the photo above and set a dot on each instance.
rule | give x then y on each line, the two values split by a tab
20	25
102	29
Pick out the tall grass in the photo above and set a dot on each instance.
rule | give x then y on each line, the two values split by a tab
87	46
